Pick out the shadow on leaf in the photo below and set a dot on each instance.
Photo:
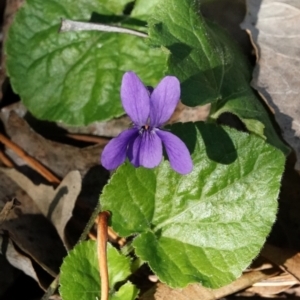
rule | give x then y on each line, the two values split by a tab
218	145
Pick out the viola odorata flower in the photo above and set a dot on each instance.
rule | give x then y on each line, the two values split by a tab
143	143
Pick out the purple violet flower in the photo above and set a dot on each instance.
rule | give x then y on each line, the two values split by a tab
148	111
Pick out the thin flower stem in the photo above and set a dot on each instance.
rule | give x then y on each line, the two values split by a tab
69	25
54	285
90	223
127	249
102	253
51	289
31	161
136	264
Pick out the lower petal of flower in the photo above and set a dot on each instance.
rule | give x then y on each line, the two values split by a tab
147	150
134	150
114	153
178	154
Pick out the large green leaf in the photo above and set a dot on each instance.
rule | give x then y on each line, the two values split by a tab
206	226
209	65
79	277
75	77
143	9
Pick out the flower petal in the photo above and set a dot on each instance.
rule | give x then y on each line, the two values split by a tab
115	151
163	100
135	98
147	150
178	153
134	151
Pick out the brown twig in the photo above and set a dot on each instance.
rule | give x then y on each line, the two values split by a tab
102	253
88	138
6	160
113	236
31	161
92	236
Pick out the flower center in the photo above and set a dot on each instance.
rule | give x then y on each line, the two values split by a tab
146	129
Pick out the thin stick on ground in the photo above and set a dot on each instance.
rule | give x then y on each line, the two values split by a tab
113	236
6	160
102	253
89	138
37	166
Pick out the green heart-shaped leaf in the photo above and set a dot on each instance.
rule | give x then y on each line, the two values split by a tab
75	77
80	279
209	65
206	226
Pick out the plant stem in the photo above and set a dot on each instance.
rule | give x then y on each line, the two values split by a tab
51	289
102	253
90	223
54	285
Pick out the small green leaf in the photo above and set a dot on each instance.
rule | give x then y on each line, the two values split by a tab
206	226
75	77
79	277
126	292
209	65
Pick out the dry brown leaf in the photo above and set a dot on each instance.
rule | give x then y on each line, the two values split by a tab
287	259
7	189
34	234
59	158
196	291
273	286
4	213
10	274
274	29
107	128
18	260
185	113
55	204
23	263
